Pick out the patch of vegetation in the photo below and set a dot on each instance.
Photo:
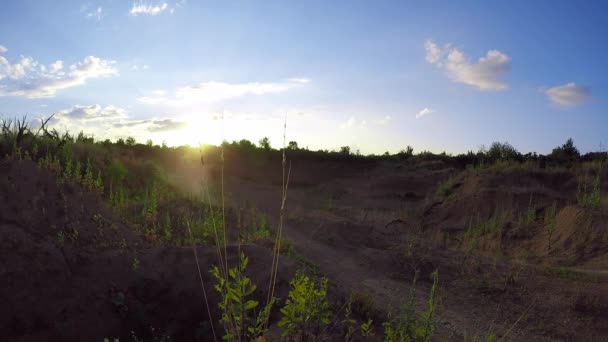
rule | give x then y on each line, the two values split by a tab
446	187
589	197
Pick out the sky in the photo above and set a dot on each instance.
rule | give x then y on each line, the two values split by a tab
373	75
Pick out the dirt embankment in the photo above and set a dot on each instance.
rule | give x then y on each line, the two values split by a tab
71	271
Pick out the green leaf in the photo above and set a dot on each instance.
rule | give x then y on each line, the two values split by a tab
250	304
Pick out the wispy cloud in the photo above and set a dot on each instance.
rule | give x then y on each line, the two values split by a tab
31	79
383	121
352	122
166	125
142	8
96	14
210	92
93	112
485	74
3	49
569	94
423	112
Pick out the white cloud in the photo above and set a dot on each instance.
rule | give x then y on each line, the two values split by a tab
299	80
210	92
485	74
353	123
31	79
3	49
423	112
433	52
148	9
569	94
95	14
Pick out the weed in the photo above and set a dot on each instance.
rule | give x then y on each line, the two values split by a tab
407	326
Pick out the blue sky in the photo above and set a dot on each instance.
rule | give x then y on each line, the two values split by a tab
373	75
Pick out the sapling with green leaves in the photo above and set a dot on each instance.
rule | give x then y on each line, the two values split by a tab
237	308
306	311
88	181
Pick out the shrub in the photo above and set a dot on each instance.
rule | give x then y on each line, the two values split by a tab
236	308
306	310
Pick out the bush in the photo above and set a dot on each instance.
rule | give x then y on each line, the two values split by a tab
306	310
238	317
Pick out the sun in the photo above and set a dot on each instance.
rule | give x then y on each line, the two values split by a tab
201	129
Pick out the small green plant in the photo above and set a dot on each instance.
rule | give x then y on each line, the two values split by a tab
306	310
61	238
135	264
551	223
406	326
348	323
367	328
237	309
262	230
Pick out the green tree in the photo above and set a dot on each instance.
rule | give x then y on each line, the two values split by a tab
293	145
345	150
264	143
130	141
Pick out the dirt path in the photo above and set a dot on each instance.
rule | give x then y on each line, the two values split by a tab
357	258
